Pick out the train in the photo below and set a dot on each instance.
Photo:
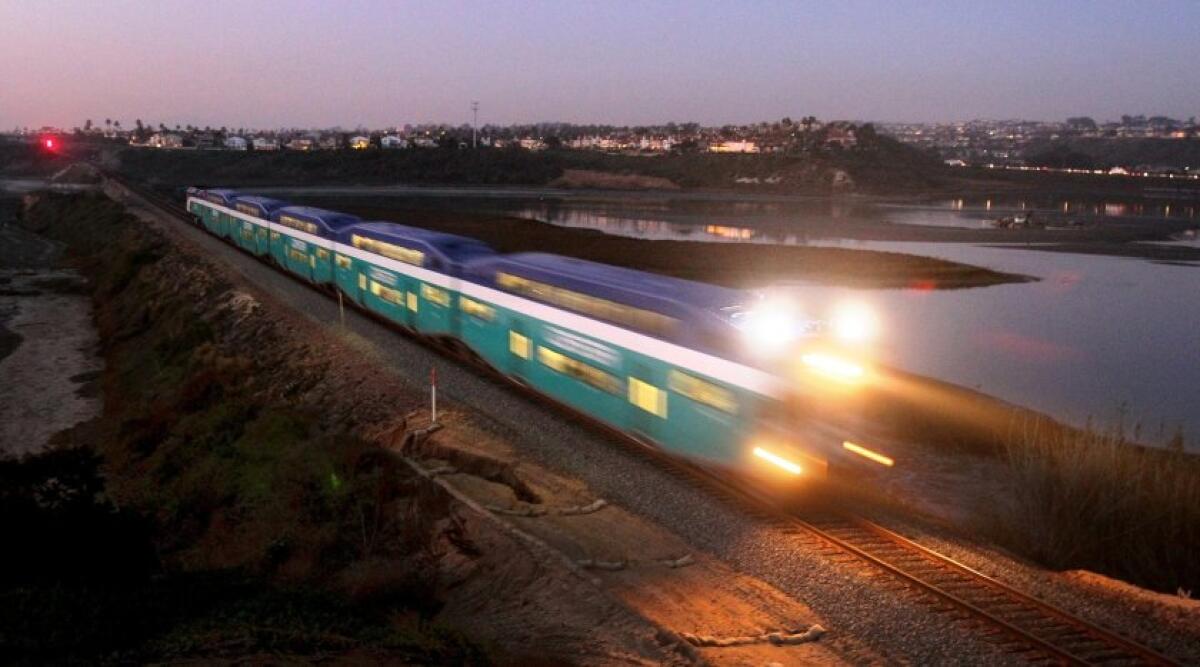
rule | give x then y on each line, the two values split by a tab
729	380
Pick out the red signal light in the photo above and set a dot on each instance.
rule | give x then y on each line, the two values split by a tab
49	144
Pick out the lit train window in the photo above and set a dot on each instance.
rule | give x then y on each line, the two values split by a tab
391	250
343	262
413	303
585	373
362	281
297	255
628	316
248	209
247	233
322	254
439	296
386	293
297	223
648	397
275	236
476	309
702	392
518	344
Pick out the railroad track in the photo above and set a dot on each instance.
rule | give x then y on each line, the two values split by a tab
1019	624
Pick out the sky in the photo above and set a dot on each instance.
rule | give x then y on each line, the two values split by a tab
376	63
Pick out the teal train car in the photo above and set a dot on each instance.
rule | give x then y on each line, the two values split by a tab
252	229
407	274
302	240
218	219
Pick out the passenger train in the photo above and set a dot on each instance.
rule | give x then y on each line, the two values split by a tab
723	378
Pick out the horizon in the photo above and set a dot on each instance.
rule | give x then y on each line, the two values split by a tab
374	64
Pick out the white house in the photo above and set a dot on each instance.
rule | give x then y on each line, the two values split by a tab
236	143
392	141
165	140
265	144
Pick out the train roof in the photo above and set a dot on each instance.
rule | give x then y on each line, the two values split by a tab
628	286
452	247
329	221
265	205
223	196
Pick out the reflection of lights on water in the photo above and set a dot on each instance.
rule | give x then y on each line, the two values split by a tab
988	205
1066	206
736	233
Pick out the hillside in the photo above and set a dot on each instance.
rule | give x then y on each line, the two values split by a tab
1096	152
878	165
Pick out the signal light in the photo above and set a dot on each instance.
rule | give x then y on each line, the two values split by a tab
49	143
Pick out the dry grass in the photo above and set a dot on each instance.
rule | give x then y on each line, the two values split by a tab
1094	500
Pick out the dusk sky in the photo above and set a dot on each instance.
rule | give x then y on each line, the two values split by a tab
377	63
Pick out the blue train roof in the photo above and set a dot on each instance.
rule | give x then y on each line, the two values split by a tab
265	205
704	314
449	247
222	196
630	286
328	221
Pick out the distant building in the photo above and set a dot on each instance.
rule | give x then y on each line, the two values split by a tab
956	163
301	144
329	143
734	147
391	141
425	142
530	144
165	140
360	143
236	143
265	144
205	140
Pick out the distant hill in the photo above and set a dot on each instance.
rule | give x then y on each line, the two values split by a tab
1106	152
876	164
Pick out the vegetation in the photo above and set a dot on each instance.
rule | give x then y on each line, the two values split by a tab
1096	501
203	516
878	163
1100	152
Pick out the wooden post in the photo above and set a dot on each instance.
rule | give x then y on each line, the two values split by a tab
341	310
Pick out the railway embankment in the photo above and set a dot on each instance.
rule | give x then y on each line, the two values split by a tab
257	485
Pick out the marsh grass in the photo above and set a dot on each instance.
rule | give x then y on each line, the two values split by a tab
1096	500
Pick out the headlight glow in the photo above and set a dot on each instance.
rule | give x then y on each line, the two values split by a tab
778	460
832	366
855	323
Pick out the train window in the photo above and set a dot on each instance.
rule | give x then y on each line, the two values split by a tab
648	397
248	209
702	392
413	303
518	344
390	250
628	316
343	262
297	223
298	255
438	296
322	254
393	296
476	309
362	281
585	373
275	236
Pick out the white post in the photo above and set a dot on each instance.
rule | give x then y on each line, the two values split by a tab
433	394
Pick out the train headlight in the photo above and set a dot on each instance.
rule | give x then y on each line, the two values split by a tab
854	323
777	460
771	326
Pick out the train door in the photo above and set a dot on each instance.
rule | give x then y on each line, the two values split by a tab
520	350
647	401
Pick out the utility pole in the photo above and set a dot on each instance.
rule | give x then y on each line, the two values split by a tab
474	124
